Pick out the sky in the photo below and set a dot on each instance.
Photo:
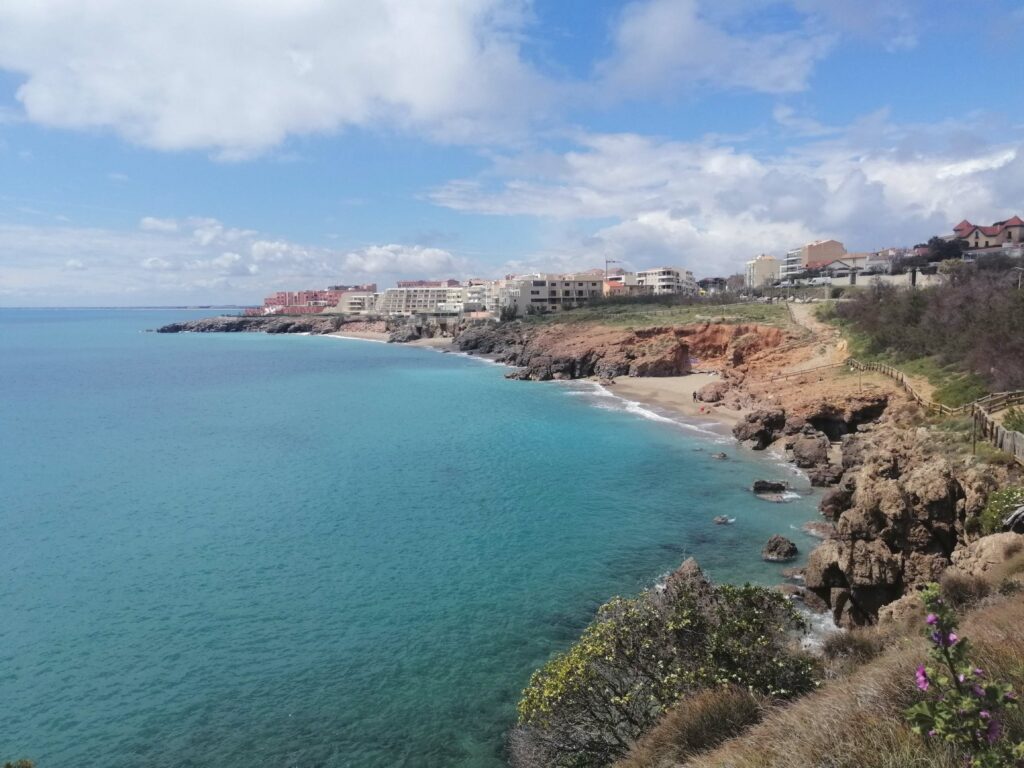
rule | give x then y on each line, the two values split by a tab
215	151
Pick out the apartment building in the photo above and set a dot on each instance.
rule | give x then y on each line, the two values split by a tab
420	301
818	252
661	280
358	303
551	292
762	271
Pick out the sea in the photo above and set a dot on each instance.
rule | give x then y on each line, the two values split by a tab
241	550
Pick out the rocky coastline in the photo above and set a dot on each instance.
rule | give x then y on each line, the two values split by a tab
897	508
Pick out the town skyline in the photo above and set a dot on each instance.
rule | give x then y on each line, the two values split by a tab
477	138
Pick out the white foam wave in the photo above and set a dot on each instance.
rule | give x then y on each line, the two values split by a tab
354	338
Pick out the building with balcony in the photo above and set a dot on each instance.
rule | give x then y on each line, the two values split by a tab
820	251
663	280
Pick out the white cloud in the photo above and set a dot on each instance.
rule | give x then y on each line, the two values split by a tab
663	45
240	77
710	205
167	266
402	260
154	224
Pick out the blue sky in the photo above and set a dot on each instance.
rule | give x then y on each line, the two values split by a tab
174	152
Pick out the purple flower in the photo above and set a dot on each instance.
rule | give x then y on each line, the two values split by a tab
952	639
979	672
933	732
984	714
960	677
978	691
932	620
922	678
993	732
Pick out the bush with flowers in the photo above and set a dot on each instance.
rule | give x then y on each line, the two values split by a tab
963	707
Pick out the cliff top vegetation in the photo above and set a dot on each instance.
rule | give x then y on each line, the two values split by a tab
650	312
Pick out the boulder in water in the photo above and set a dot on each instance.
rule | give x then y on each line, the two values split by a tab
779	549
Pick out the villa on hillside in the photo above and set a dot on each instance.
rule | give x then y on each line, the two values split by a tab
1001	234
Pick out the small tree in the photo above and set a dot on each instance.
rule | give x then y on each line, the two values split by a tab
508	313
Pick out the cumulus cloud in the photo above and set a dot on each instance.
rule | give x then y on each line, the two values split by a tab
661	45
199	261
709	205
402	260
240	77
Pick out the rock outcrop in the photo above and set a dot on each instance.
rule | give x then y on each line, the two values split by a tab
713	392
760	427
810	449
577	350
779	549
314	324
769	486
900	517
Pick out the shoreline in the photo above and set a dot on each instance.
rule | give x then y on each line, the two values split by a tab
674	394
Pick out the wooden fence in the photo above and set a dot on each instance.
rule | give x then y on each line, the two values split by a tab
982	423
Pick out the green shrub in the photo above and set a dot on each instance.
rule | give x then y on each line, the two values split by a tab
1013	419
588	705
1000	505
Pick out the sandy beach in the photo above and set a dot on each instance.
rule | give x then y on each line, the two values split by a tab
675	394
438	342
364	335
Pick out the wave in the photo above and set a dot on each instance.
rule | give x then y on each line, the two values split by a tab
350	338
606	400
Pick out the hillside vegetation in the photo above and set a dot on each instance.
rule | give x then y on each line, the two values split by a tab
650	313
966	336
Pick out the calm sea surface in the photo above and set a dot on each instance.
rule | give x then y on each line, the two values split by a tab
248	550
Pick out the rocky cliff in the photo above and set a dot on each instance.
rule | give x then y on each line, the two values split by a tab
902	513
572	351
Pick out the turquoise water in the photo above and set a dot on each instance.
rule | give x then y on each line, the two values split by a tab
249	550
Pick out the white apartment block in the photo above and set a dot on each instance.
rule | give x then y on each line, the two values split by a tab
764	270
357	303
661	280
421	301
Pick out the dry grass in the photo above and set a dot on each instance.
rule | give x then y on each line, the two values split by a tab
858	722
846	651
695	724
962	590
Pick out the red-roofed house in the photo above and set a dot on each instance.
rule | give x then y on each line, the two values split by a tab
975	236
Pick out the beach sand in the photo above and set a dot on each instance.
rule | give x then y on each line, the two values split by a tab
438	342
674	394
364	335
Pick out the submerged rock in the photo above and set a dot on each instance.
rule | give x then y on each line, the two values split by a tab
722	520
720	456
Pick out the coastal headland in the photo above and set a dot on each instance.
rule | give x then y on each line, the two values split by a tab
900	504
